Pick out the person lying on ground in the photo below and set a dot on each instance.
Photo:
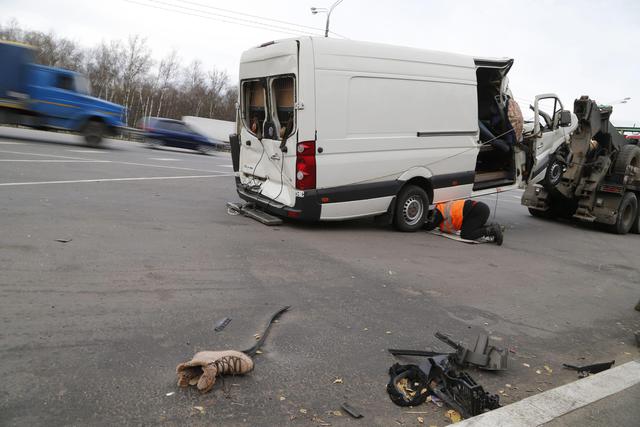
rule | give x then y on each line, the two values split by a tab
469	217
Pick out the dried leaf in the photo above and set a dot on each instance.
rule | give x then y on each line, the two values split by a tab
303	411
199	408
526	365
548	369
257	336
421	420
538	371
282	398
335	413
258	352
453	415
337	381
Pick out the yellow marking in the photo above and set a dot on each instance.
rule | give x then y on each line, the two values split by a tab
55	103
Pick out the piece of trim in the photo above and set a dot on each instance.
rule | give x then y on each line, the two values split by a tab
549	405
453	179
450	133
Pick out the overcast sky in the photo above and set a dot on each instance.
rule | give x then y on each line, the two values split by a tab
570	47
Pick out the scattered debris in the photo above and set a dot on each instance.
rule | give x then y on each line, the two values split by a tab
335	413
303	411
282	398
526	365
337	381
258	351
205	366
351	410
584	371
453	416
256	336
171	393
388	332
221	324
410	385
538	371
199	408
483	355
421	420
63	240
548	369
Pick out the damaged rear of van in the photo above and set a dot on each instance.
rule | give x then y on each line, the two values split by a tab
338	129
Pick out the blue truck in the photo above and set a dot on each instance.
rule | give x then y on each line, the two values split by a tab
52	98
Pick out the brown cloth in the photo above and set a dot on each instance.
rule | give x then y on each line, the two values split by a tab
515	118
207	365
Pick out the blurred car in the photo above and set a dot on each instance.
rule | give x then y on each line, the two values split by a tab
174	133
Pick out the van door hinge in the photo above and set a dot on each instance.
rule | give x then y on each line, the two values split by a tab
299	105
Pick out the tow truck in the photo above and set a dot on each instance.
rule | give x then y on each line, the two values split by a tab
593	177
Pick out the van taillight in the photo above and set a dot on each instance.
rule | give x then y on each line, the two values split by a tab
306	165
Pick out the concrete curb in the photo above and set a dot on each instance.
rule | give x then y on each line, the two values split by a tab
544	407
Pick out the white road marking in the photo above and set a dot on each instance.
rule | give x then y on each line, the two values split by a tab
87	151
551	404
225	166
12	143
164	159
78	181
54	161
110	161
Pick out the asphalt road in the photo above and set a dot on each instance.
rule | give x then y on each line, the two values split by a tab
92	329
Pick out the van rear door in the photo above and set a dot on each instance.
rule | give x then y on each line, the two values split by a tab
268	129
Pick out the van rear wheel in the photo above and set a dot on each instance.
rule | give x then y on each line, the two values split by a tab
411	209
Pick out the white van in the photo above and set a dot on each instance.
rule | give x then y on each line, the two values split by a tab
337	129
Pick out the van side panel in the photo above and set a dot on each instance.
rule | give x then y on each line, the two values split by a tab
384	111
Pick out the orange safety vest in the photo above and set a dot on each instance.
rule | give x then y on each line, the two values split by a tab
451	215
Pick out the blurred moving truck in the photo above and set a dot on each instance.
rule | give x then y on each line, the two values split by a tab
337	129
51	98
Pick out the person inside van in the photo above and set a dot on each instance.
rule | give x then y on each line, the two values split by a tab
469	217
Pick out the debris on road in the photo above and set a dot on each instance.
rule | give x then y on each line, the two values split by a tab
63	240
221	324
410	385
205	366
251	211
351	410
171	393
584	371
337	381
482	356
453	416
199	408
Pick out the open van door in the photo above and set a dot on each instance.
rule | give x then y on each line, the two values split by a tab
552	127
267	112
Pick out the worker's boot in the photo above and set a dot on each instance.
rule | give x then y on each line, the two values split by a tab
494	232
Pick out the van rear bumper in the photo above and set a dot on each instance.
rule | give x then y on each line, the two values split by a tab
307	208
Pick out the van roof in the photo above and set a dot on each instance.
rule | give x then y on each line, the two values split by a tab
332	46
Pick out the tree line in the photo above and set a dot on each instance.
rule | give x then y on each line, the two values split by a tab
125	72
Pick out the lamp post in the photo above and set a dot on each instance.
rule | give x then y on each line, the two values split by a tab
316	10
619	101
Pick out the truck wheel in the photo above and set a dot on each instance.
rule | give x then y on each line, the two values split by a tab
628	155
411	209
635	228
627	214
554	173
93	132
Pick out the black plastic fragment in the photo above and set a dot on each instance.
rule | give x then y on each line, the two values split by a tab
590	369
221	324
351	410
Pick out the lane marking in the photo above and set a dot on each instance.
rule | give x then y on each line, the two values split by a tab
164	159
551	404
78	181
111	161
87	151
54	161
225	166
12	143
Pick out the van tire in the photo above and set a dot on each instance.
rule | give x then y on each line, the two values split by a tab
412	206
627	214
628	155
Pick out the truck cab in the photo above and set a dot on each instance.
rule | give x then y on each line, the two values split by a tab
61	99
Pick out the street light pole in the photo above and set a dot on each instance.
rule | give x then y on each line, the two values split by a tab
316	10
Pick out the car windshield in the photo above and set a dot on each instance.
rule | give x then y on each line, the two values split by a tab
173	126
83	85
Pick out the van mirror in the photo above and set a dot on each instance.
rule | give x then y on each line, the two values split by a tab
565	118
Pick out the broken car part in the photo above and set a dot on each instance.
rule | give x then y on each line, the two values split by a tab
221	324
410	385
483	355
583	371
251	211
205	366
351	410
